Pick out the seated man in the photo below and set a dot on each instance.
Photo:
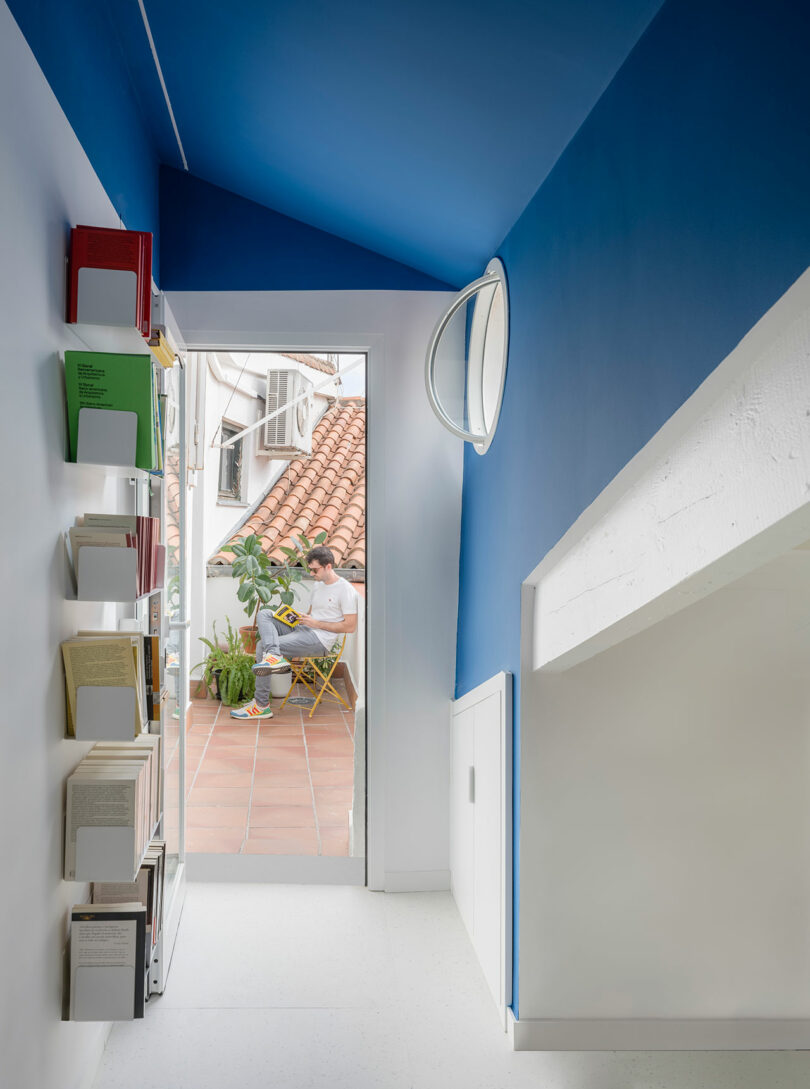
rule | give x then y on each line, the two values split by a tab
332	612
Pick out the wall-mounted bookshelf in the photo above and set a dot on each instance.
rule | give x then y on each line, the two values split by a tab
114	811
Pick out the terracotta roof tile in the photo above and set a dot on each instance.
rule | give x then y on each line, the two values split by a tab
325	491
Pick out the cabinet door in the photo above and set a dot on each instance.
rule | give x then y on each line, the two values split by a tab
462	831
489	840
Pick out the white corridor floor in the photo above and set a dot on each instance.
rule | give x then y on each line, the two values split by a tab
323	987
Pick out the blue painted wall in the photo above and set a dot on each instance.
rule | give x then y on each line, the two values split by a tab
676	217
78	48
678	214
214	240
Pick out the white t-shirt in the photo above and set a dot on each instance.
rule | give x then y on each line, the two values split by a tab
332	603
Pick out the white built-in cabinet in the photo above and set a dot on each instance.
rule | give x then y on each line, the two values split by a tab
481	827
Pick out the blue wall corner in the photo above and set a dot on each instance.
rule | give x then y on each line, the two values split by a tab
214	240
676	217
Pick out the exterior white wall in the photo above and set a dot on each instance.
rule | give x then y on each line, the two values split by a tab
46	184
665	825
214	519
414	495
244	406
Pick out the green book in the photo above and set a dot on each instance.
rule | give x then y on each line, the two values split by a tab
121	382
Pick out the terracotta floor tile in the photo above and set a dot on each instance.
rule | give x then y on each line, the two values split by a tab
275	751
198	732
332	730
290	846
223	738
274	741
234	735
331	763
280	730
213	764
330	814
223	780
216	816
219	796
330	748
282	816
340	778
335	841
333	795
292	777
297	769
224	749
214	840
286	795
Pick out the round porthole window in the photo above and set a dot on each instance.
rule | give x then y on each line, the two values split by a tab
465	368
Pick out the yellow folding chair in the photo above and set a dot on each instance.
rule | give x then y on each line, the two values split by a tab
316	675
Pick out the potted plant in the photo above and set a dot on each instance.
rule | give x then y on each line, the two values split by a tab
228	667
257	584
260	581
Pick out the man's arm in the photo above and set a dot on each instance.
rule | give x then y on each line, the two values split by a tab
348	624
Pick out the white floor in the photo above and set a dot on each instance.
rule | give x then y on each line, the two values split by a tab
304	987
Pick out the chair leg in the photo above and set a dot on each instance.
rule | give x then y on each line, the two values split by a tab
296	674
327	686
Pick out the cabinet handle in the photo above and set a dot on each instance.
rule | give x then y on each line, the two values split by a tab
472	784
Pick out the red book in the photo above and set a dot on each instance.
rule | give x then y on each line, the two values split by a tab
110	277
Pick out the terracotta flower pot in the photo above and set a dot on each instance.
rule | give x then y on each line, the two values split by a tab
249	635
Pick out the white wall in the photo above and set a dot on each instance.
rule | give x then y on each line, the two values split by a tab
46	184
414	506
665	822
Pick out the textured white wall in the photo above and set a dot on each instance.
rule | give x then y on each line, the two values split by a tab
691	510
46	184
414	509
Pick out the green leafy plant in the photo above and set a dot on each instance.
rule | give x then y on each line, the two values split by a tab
260	581
237	682
257	583
295	567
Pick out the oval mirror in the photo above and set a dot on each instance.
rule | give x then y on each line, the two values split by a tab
465	367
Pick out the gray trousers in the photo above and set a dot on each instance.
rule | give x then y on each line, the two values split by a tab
277	638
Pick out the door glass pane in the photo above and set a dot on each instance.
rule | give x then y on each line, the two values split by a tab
176	633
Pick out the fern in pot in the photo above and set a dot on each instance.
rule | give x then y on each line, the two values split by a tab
228	667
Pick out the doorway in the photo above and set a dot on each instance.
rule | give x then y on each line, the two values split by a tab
281	796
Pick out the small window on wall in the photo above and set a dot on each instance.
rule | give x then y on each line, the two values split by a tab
230	464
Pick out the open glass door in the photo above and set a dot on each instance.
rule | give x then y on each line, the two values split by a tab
175	632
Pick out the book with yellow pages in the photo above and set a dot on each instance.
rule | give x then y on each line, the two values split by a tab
287	615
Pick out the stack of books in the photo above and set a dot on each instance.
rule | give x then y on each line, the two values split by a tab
133	531
109	954
112	809
146	889
111	382
110	277
124	662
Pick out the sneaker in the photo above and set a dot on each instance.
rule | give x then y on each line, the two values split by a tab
270	663
251	710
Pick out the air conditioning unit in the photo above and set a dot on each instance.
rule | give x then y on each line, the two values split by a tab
290	432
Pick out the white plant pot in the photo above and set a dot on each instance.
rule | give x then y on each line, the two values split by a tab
280	683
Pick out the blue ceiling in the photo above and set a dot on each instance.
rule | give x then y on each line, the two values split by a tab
418	130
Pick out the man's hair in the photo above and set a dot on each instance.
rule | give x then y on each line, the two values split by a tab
321	555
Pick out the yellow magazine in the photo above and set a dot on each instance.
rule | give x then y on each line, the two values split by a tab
287	615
